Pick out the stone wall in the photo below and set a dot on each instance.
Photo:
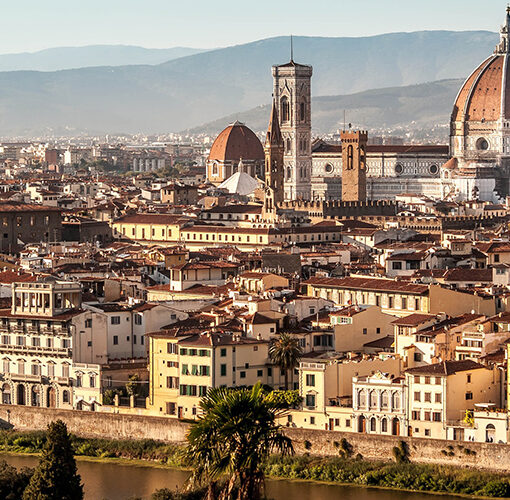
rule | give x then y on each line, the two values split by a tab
316	442
95	424
372	447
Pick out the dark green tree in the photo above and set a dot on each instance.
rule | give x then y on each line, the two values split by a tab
286	352
235	434
12	481
56	477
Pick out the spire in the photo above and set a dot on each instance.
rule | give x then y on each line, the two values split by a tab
274	135
291	49
504	44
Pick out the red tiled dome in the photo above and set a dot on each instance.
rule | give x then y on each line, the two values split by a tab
483	93
235	142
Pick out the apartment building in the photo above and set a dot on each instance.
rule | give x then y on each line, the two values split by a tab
355	326
401	298
190	274
183	368
168	228
379	404
38	334
325	384
118	330
439	395
22	223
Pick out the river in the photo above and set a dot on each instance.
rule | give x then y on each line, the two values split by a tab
121	481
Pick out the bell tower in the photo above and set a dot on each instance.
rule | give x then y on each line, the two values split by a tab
354	171
292	95
273	149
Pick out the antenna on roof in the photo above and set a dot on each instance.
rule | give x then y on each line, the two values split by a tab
291	49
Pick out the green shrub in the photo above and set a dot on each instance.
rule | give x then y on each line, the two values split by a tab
497	488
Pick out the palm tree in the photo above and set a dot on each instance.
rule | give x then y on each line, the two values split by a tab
236	432
286	353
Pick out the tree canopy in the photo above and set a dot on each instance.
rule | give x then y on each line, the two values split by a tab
286	352
56	477
236	432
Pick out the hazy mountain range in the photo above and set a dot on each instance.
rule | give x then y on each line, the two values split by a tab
413	106
195	89
58	58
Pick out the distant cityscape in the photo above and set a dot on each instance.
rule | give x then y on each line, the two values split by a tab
360	279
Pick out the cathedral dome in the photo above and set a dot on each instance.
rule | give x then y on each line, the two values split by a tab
235	142
484	96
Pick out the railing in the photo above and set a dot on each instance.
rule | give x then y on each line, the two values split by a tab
341	402
460	423
28	377
312	366
473	335
29	349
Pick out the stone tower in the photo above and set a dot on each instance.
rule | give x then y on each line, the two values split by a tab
274	173
354	172
292	94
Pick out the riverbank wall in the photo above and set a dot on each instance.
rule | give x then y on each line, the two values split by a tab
95	424
488	456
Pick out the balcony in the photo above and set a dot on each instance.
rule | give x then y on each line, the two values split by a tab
312	366
345	402
22	377
61	380
28	349
460	423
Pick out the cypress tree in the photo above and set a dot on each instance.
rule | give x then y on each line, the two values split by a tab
56	476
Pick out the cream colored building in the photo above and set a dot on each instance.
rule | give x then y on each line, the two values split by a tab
379	404
401	298
325	384
37	348
439	395
259	282
183	368
355	326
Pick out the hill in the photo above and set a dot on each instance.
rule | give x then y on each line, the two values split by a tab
410	107
196	89
59	58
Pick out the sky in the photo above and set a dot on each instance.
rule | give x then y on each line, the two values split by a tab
31	25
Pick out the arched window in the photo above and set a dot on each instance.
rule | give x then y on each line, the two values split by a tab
284	109
287	146
373	399
362	399
384	400
65	396
490	433
350	157
396	401
363	157
373	424
289	173
384	425
302	111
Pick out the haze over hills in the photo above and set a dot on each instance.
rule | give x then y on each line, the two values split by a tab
188	91
58	58
413	106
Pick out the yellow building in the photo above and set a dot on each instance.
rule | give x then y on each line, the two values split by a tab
172	229
401	298
156	228
355	326
325	384
439	395
258	282
183	368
